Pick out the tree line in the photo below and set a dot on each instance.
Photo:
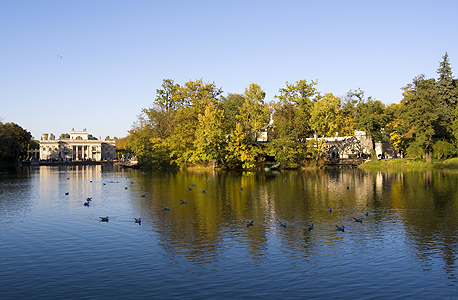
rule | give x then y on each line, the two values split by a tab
195	123
14	143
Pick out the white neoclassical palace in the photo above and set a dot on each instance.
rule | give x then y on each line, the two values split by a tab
77	148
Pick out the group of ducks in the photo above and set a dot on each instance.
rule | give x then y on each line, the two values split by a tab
310	227
106	219
88	201
358	220
248	223
167	208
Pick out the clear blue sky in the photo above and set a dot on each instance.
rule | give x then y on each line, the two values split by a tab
115	54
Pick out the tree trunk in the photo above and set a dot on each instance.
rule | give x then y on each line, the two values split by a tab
428	155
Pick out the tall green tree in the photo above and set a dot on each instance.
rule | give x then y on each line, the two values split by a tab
254	112
168	96
325	115
253	116
397	129
231	106
210	135
422	112
291	123
361	113
371	117
194	98
446	91
447	96
293	110
148	136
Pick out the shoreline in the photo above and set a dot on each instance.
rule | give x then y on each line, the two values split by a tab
409	163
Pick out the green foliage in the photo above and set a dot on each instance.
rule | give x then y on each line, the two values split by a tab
396	127
415	150
168	97
317	150
446	93
364	114
14	143
240	152
231	106
194	98
325	115
422	112
254	113
210	138
443	149
293	110
159	157
289	153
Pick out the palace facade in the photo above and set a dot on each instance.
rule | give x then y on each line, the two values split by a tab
77	148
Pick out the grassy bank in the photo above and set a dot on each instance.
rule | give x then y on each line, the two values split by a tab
451	163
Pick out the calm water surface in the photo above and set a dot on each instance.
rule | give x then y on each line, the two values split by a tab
54	247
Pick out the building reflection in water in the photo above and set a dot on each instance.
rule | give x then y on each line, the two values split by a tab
212	224
416	208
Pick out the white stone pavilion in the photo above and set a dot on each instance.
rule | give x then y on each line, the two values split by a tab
77	148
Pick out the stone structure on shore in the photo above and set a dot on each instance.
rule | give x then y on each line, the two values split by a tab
358	146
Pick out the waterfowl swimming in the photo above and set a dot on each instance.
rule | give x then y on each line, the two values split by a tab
139	220
241	188
66	193
366	213
190	189
303	188
184	201
330	210
203	191
86	203
250	223
310	227
89	199
103	219
166	208
142	195
282	224
125	188
340	228
359	220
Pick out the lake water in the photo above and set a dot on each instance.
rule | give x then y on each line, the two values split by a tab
52	246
